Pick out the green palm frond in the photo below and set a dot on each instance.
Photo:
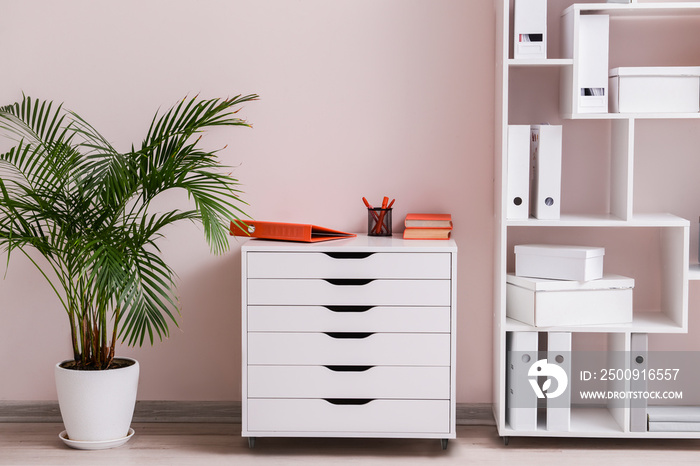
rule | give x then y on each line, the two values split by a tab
66	192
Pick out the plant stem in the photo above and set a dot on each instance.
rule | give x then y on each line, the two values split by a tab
110	357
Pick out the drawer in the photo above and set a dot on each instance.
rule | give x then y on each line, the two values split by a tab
362	349
348	319
348	265
396	382
349	292
317	416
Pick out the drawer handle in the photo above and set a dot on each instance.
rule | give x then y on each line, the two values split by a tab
348	281
348	335
348	308
348	401
349	255
348	368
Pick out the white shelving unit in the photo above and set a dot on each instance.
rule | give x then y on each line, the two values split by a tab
671	233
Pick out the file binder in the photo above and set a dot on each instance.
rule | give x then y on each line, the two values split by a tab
639	344
593	36
287	231
530	29
559	407
521	399
545	171
518	172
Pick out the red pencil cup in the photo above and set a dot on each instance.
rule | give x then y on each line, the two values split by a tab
379	222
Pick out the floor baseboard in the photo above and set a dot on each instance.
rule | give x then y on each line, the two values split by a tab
194	411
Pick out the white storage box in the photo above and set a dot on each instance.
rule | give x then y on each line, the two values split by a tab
657	89
556	262
546	303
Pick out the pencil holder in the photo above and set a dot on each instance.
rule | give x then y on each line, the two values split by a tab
379	222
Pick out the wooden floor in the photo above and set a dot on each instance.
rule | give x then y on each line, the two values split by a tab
215	444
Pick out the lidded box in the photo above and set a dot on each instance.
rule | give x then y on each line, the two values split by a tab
651	89
545	303
580	263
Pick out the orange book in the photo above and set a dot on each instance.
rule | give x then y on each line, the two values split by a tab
427	233
287	231
428	221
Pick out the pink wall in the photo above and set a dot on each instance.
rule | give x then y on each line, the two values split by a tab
358	98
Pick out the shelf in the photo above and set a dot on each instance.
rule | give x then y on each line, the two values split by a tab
541	62
639	9
639	220
593	420
596	423
585	422
630	116
643	322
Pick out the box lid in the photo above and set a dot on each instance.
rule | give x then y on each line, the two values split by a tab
608	282
579	252
655	71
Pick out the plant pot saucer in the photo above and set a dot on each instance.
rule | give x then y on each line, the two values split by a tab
95	445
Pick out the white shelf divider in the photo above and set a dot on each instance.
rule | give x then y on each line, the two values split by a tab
622	168
643	322
630	116
604	220
535	62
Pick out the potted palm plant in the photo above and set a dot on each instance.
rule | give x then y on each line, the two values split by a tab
82	213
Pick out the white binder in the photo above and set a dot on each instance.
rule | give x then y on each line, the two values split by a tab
518	172
639	345
545	171
593	40
559	407
521	399
530	29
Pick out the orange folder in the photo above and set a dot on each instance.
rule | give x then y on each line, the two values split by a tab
287	231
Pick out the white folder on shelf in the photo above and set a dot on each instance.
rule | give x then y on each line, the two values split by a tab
518	172
545	171
559	406
639	346
530	29
592	89
521	399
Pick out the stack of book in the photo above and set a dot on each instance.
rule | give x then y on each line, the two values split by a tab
674	418
427	226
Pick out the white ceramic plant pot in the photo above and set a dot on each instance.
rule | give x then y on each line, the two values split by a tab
97	406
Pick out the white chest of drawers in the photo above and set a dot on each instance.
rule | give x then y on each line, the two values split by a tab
349	338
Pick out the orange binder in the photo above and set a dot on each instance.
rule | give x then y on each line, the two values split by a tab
287	231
